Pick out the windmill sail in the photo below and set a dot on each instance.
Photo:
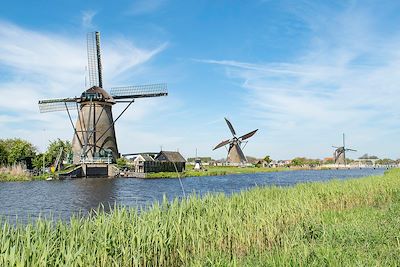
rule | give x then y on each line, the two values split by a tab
248	135
230	126
139	91
62	104
223	143
94	60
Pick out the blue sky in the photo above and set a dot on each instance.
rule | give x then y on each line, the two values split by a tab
302	72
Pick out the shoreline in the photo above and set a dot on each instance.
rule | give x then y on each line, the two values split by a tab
211	171
225	170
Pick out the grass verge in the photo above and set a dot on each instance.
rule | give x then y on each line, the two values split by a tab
338	223
213	171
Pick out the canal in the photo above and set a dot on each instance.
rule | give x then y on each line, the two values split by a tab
61	199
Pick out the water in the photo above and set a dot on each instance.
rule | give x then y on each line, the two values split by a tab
62	199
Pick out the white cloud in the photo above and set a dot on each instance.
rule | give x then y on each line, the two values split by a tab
42	65
118	62
87	19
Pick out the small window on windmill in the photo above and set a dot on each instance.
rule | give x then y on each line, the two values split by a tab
91	96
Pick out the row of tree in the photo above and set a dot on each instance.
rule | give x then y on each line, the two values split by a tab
16	150
302	161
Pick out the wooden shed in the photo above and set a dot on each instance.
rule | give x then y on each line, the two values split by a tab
171	161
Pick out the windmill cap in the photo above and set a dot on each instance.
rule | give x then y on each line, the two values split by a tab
96	93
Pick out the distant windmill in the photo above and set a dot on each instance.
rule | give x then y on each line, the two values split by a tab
235	152
94	134
197	163
340	153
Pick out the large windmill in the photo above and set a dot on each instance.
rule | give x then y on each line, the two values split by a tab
235	152
340	153
94	134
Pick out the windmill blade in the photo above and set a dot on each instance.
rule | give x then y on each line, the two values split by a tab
223	143
230	126
248	135
349	149
139	91
51	105
94	60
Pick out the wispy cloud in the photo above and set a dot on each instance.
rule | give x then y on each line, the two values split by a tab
87	19
43	65
347	81
118	62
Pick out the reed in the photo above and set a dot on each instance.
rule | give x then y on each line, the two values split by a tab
16	172
353	222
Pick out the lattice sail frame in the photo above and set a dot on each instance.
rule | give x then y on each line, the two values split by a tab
139	91
94	60
62	104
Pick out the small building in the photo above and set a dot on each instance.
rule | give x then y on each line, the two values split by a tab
367	160
164	161
171	161
143	163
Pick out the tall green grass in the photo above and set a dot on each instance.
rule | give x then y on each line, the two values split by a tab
214	171
348	223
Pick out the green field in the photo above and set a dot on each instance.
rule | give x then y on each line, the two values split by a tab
337	223
213	171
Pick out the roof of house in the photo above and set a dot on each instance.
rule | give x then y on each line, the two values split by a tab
172	156
146	157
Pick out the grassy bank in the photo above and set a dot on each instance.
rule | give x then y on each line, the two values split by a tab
347	223
18	173
213	171
14	173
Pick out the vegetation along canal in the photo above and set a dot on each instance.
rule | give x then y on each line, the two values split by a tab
62	199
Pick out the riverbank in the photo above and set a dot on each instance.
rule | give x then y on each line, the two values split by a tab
19	174
214	171
14	173
7	176
352	222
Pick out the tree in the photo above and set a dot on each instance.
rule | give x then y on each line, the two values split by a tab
267	159
37	161
304	161
122	163
18	150
298	161
54	148
3	154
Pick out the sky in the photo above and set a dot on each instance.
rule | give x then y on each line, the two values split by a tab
302	72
